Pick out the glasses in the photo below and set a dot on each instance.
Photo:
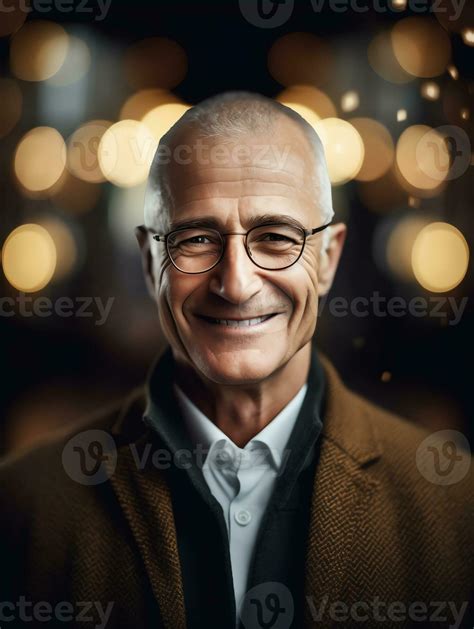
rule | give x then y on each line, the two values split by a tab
273	246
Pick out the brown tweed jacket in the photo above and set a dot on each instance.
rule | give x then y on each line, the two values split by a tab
379	530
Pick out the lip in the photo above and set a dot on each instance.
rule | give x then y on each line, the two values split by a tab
210	321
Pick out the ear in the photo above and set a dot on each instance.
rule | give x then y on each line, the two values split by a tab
329	258
143	239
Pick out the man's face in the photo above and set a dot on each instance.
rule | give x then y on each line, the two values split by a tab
234	185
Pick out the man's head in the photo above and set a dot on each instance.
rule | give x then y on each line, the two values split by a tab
232	162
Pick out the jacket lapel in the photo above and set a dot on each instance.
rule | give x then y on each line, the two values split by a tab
342	493
146	502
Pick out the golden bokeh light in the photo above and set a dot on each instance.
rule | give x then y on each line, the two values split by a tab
343	148
300	58
401	115
440	257
75	65
453	72
125	153
82	147
11	103
139	104
430	90
422	157
29	258
40	159
64	244
400	246
421	46
378	148
350	101
160	120
468	36
155	62
74	195
382	59
38	50
310	98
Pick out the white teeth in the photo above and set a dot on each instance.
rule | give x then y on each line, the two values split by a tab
232	323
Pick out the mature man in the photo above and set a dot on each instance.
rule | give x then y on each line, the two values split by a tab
245	483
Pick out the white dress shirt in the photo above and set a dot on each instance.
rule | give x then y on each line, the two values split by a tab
242	479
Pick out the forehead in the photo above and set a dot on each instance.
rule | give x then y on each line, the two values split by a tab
243	175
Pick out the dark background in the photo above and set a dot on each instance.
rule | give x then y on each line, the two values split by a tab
56	369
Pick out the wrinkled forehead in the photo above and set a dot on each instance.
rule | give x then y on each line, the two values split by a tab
280	161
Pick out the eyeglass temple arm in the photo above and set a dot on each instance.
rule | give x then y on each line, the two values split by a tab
311	232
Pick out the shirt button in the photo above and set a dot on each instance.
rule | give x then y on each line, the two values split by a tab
243	517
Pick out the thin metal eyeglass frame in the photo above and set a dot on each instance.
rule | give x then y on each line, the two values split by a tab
306	234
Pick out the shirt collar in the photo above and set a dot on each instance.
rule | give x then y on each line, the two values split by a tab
274	436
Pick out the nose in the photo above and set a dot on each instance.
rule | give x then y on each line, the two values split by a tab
235	278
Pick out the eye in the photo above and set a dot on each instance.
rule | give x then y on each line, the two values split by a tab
272	237
197	240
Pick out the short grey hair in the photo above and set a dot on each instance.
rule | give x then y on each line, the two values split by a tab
229	115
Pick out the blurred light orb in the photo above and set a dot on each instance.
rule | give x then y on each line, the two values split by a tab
399	4
383	61
139	104
29	258
125	153
465	114
378	148
76	63
160	119
64	244
40	159
440	257
343	147
401	115
155	62
453	71
12	15
422	157
468	36
73	195
300	58
430	90
82	147
310	98
38	50
400	246
421	46
350	101
11	104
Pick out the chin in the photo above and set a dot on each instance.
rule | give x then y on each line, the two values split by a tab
236	367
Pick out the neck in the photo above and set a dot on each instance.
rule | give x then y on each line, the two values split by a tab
241	412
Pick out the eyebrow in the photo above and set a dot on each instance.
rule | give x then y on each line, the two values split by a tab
212	223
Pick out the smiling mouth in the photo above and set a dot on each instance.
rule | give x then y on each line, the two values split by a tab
239	323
